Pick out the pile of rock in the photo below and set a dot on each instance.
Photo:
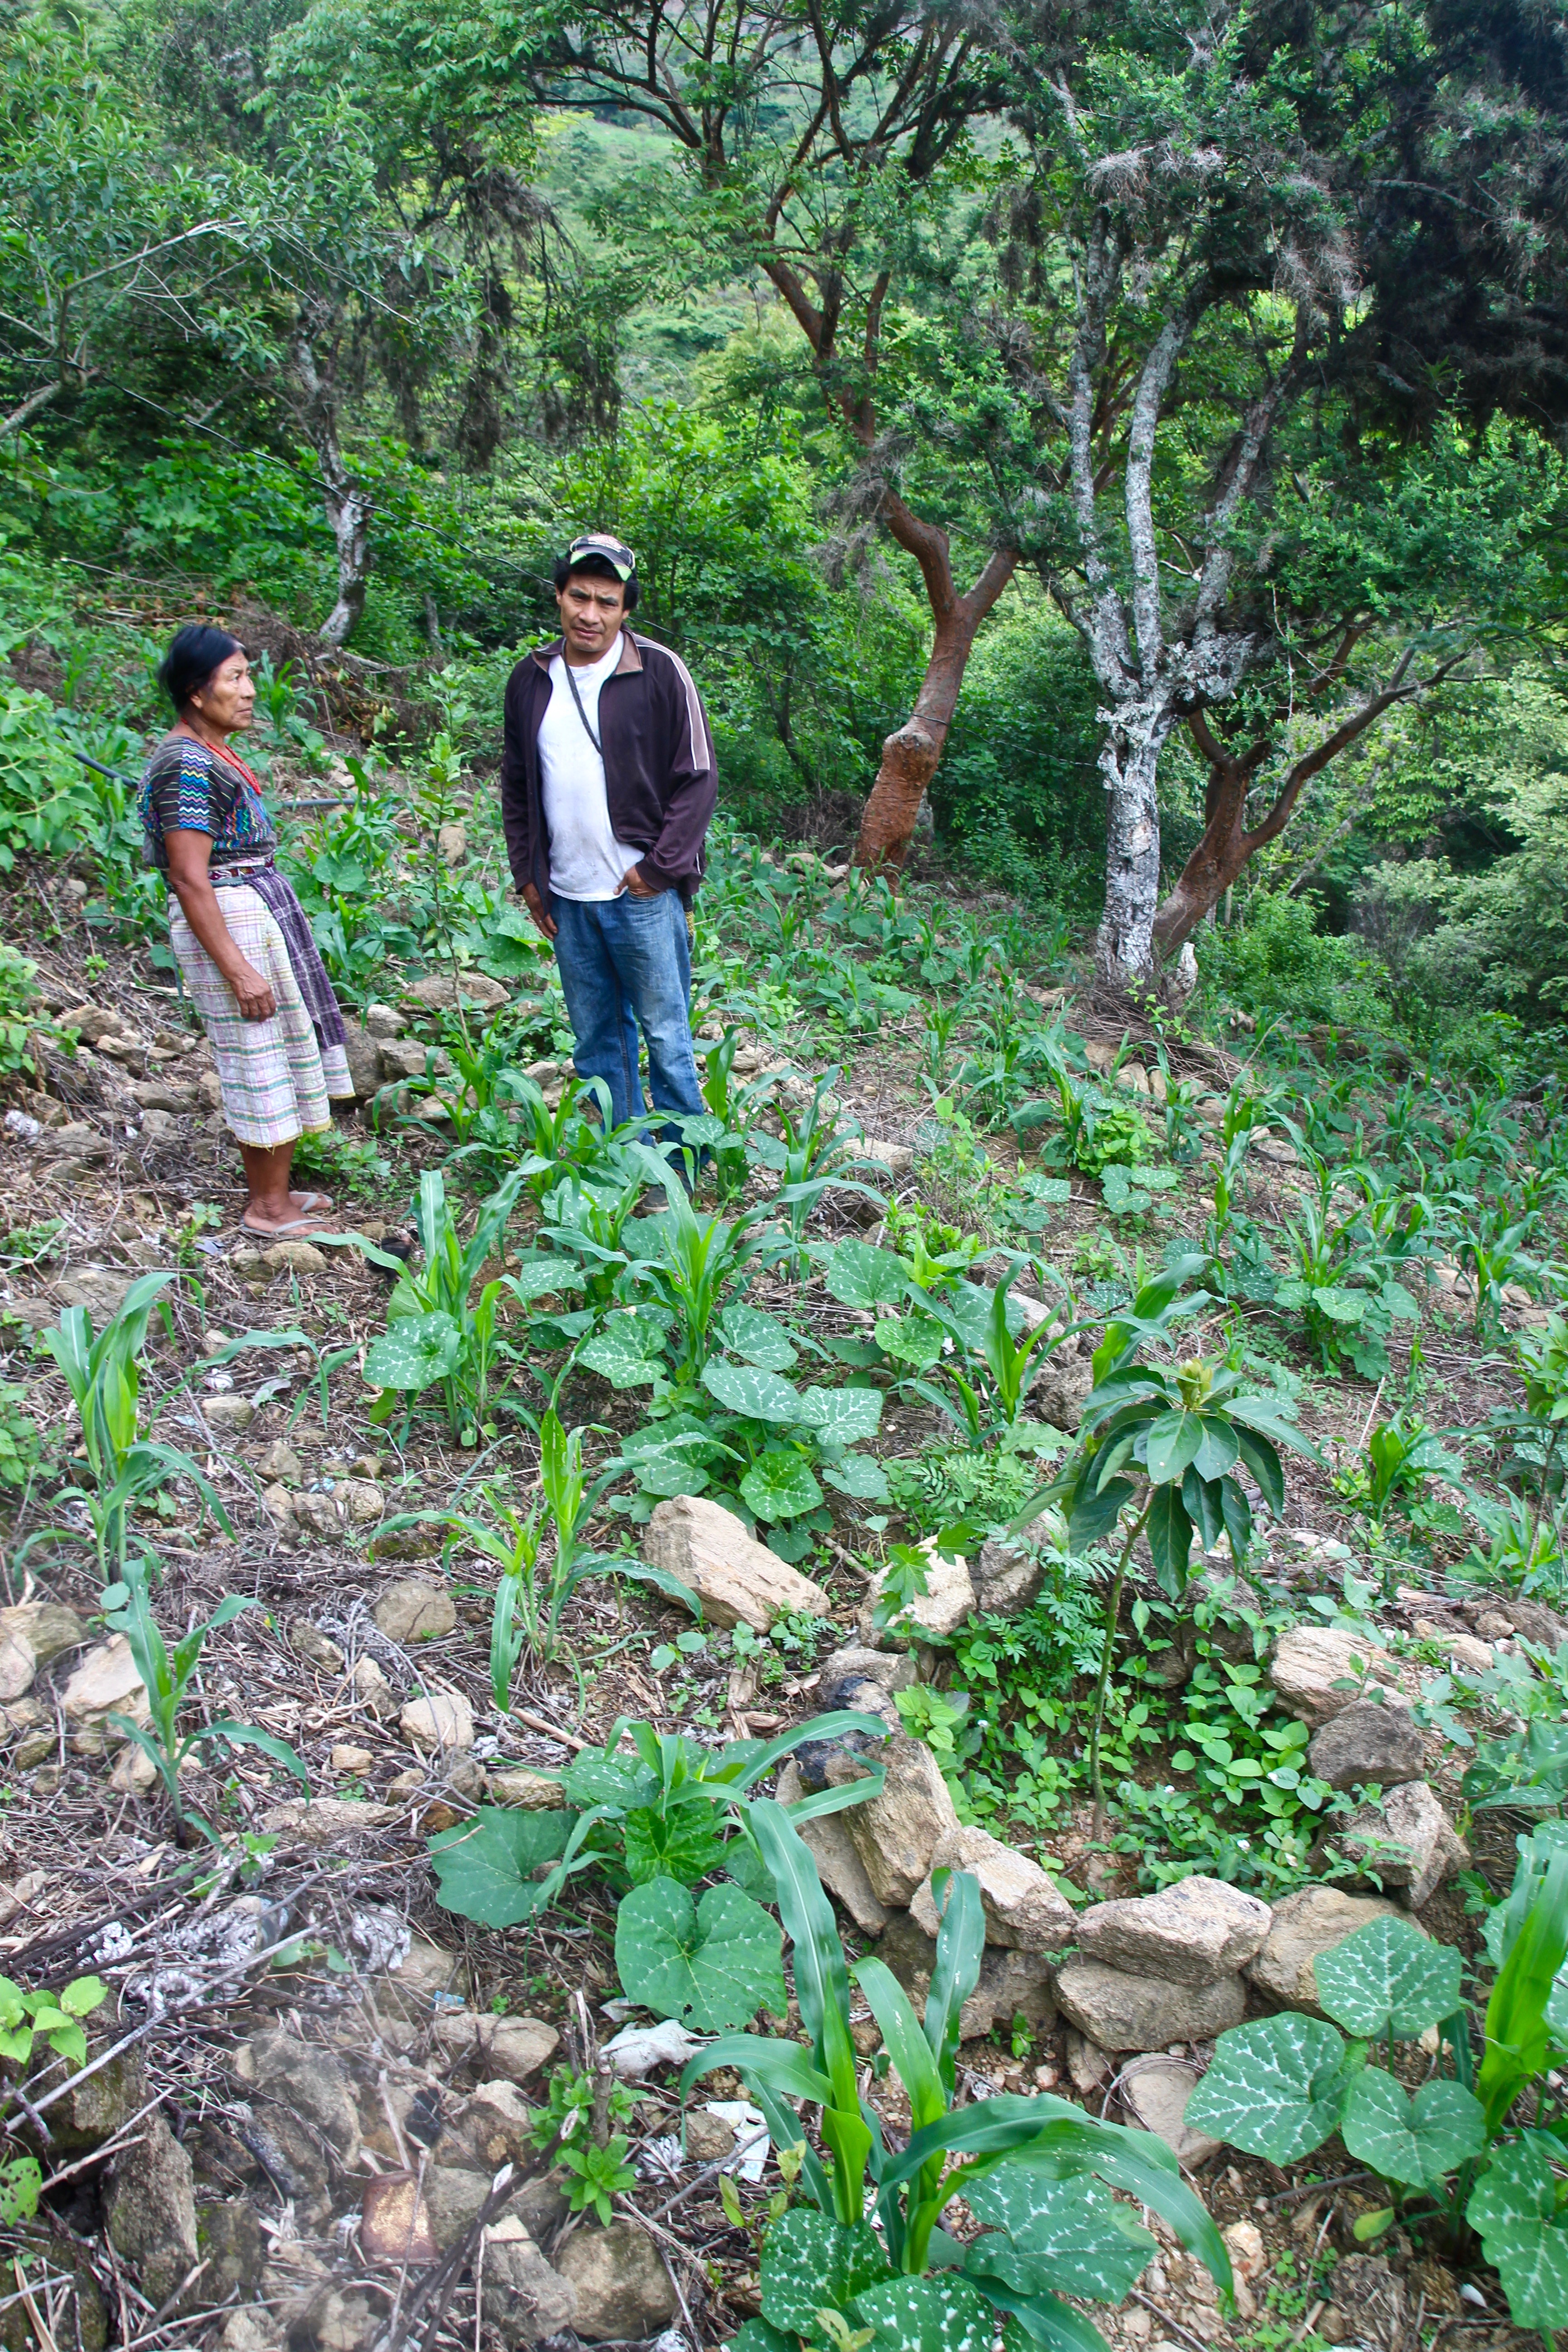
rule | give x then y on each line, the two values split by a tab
381	2142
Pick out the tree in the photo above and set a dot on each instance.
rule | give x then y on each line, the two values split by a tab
1194	364
815	145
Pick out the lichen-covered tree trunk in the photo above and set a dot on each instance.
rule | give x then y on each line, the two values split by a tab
1124	950
348	506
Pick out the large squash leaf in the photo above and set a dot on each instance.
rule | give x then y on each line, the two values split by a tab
712	1964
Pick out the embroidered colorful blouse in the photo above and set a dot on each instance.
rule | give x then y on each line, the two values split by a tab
190	787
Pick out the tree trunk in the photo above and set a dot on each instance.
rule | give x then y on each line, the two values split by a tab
348	506
1125	951
1218	859
910	756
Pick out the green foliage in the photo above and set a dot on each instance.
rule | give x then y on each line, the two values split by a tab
710	1964
1280	2086
488	1869
1279	963
669	1812
1036	2171
167	1675
104	1376
55	2018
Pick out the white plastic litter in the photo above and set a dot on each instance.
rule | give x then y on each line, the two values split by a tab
18	1123
637	2050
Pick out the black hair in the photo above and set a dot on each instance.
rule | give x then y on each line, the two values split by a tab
197	650
601	567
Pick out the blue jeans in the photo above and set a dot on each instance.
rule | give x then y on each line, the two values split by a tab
625	964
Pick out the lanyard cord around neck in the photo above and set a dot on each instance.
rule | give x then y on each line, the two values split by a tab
581	712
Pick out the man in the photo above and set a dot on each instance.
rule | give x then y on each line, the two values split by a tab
608	785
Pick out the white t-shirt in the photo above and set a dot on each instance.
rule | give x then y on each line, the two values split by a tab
586	861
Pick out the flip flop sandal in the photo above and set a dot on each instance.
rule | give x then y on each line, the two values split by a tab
312	1203
293	1227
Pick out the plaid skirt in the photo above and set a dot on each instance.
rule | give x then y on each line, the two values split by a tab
277	1079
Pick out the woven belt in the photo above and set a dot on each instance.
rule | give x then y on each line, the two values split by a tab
233	875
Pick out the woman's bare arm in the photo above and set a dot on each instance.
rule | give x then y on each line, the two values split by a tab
189	854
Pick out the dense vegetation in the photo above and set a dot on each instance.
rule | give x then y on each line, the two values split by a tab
1132	1231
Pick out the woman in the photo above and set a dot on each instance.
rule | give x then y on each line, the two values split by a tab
240	933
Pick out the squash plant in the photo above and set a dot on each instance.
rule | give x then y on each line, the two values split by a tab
1036	2171
1280	2086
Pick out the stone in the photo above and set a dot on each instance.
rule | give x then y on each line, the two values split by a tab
623	2289
1061	1390
357	1761
523	2298
531	1792
231	2238
361	1048
413	1611
454	2196
383	1021
328	1820
497	2124
317	1649
48	1628
839	1863
1310	1660
860	1696
107	1679
894	1670
510	2048
1470	1655
427	1978
1089	2066
280	1460
898	1159
1156	2091
895	1833
228	1415
373	1690
342	2319
1366	1742
250	2328
18	1662
1024	1912
318	1515
361	1501
150	2210
134	1771
164	1095
97	1289
299	1257
940	1610
1010	1984
1531	1620
443	1720
76	1140
162	1128
438	991
1313	1920
1407	1842
405	1057
1191	1932
101	2108
452	843
738	1580
708	2138
309	2081
1121	2012
1009	1572
540	2205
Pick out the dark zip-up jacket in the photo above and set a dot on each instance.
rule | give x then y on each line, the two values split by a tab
660	774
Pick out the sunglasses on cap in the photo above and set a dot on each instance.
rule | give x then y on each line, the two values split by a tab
620	558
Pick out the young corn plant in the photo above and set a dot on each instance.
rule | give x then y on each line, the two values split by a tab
1036	2172
813	1156
1453	2164
437	1334
167	1677
997	1370
105	1381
